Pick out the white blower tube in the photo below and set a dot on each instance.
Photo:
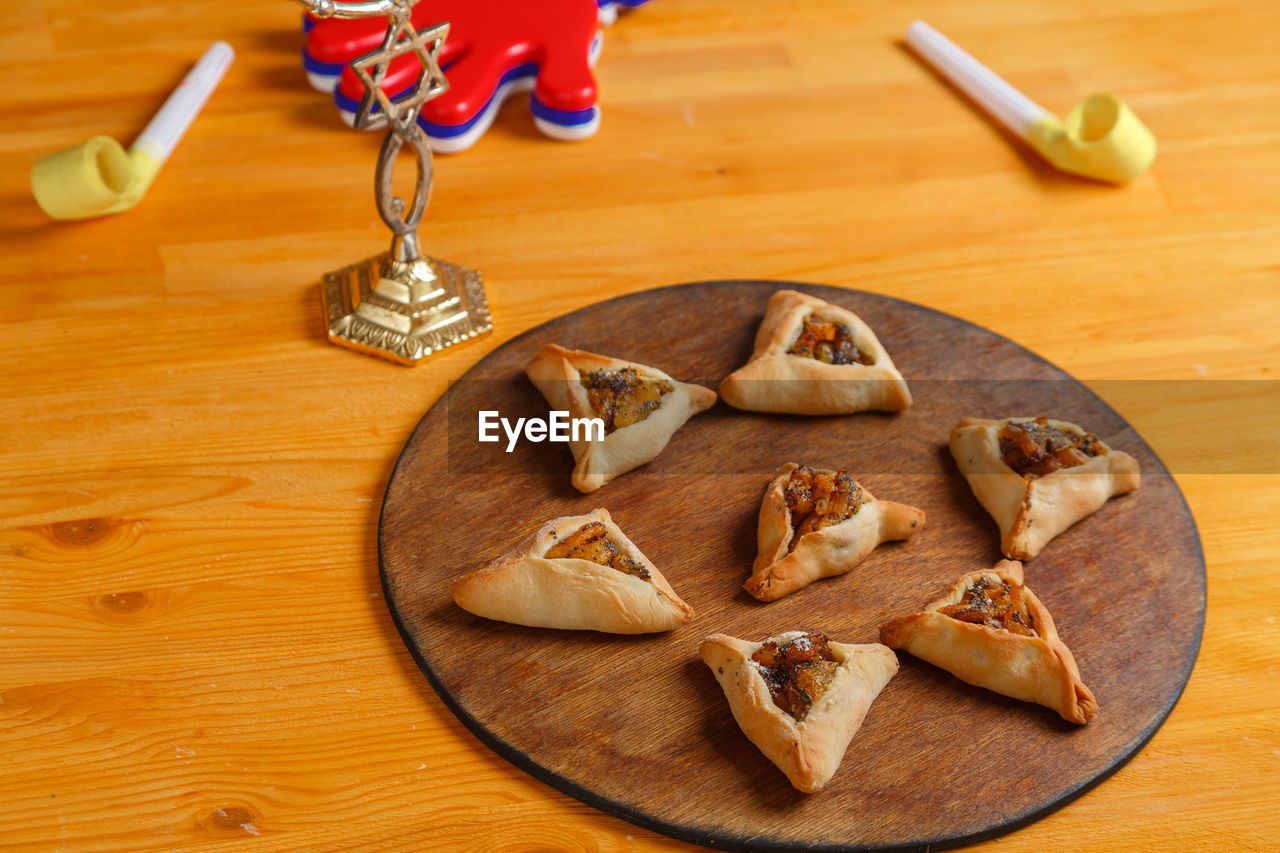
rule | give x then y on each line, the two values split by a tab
167	127
1010	107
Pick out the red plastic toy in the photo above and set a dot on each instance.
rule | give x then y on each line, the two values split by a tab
495	49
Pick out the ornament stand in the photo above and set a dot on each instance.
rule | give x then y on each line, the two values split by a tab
400	305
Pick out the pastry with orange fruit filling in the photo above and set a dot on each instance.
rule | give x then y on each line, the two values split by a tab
815	358
1037	477
641	407
799	697
575	572
815	523
991	631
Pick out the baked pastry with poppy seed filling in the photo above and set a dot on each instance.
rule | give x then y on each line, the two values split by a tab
641	407
816	523
1037	477
991	631
815	358
578	572
799	697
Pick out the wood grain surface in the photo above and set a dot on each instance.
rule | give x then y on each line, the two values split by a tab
638	725
194	649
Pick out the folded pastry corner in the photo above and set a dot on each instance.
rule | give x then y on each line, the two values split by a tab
816	523
991	631
578	572
799	697
1037	477
641	408
815	358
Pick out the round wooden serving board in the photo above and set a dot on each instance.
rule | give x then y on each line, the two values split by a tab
637	725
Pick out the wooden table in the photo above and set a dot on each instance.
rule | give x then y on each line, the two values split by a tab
193	644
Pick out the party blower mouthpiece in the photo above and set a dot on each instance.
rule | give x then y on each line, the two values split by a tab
97	177
1101	138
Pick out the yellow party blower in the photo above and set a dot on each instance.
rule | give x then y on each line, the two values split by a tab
1101	138
97	177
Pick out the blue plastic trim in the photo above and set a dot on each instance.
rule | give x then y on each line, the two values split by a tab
449	131
315	66
565	118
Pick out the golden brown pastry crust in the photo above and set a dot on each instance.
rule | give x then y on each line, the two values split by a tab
1034	669
556	372
1030	512
774	380
822	553
526	588
808	751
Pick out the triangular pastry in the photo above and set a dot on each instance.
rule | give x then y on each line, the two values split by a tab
991	631
815	358
575	572
815	523
799	697
640	405
1037	476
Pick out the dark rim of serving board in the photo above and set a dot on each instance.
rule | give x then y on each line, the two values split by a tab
723	841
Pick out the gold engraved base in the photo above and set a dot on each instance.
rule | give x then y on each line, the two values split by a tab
404	311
